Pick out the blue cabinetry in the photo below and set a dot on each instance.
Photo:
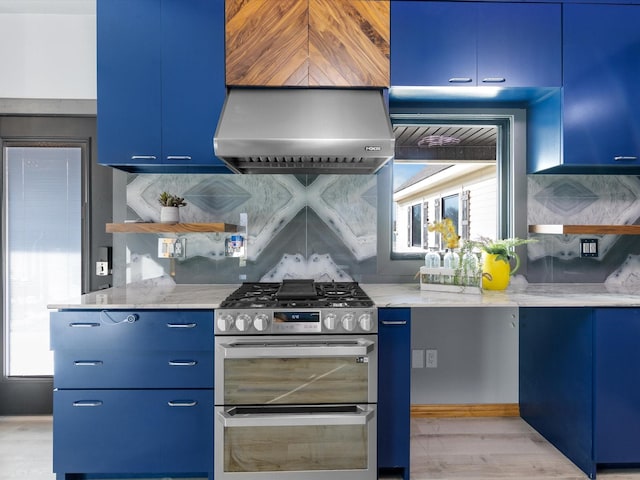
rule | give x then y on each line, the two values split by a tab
577	367
160	84
617	392
601	120
394	390
133	392
468	43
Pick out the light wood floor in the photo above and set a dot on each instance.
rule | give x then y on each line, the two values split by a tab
441	449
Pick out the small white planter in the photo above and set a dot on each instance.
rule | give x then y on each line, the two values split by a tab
169	215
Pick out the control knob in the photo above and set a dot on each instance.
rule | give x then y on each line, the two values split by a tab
330	321
261	322
243	322
349	322
365	322
225	322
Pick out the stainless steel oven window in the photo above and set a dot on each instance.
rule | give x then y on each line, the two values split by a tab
296	444
295	371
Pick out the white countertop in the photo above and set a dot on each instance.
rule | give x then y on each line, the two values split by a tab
209	296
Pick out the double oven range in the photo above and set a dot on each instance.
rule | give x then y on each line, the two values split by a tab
296	371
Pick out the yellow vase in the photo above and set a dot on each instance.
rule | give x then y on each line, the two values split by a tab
495	272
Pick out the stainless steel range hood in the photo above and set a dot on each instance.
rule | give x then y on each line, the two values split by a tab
304	130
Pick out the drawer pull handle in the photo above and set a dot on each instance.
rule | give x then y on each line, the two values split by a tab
182	363
87	363
178	157
460	80
494	80
624	158
143	157
88	403
394	322
182	325
84	324
182	403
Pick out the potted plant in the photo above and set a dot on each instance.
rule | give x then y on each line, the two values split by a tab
169	212
496	258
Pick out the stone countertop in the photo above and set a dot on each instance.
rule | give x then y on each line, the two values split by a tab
209	296
532	295
151	295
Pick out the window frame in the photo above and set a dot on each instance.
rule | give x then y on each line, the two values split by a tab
512	205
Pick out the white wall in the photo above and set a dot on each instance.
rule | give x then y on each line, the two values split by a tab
47	56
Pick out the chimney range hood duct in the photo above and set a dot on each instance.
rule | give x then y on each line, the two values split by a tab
310	130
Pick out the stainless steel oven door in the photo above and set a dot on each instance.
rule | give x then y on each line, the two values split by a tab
296	370
323	442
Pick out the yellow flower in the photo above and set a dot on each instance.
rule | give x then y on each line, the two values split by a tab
447	230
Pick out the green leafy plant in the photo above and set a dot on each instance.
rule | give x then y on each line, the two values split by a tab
504	249
169	200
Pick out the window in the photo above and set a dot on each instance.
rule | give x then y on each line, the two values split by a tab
445	168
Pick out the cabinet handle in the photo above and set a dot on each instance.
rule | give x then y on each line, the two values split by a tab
179	157
182	403
182	363
394	322
182	325
494	80
625	158
143	157
460	80
84	324
88	403
87	363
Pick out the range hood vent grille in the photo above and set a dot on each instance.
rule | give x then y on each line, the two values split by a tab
297	131
316	165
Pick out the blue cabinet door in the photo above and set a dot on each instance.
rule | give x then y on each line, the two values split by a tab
129	88
520	45
193	88
133	431
469	44
394	389
601	96
617	392
160	84
433	43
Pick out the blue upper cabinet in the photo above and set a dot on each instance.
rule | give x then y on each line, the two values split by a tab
601	120
160	84
470	44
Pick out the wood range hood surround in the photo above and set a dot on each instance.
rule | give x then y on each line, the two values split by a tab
307	43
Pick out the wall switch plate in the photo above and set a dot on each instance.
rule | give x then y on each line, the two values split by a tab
171	247
432	358
102	269
588	247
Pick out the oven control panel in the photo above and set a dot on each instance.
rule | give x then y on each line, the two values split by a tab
286	321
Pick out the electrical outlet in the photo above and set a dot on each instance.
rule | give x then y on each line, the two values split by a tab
171	247
417	358
588	247
432	359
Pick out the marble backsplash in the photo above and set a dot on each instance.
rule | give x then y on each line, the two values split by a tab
325	227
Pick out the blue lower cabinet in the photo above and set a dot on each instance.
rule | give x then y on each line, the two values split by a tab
133	431
578	388
616	389
394	390
86	369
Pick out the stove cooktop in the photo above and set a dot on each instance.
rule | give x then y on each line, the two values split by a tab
298	294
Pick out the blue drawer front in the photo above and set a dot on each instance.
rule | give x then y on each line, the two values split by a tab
123	369
143	330
133	431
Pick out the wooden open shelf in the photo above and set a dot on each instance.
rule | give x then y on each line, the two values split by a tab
586	229
170	228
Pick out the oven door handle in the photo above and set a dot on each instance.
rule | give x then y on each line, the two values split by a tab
361	417
305	350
